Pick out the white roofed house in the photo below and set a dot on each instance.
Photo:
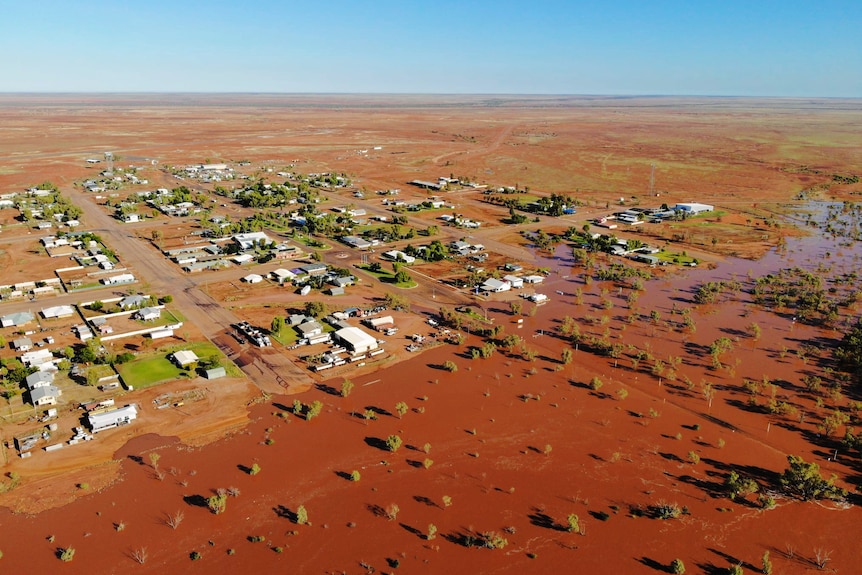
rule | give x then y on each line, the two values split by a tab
282	275
102	420
148	314
495	285
248	241
184	358
58	311
22	344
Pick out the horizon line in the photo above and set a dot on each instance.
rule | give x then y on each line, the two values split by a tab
423	94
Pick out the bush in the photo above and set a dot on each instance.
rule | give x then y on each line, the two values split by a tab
677	567
804	481
67	554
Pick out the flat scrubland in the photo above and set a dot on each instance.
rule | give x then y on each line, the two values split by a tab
642	415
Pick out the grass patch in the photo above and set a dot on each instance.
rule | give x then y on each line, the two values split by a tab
155	367
388	278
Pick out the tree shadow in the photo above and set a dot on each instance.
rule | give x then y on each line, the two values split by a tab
285	513
541	519
244	468
653	564
328	389
376	442
732	560
425	500
412	530
137	459
344	475
378	410
376	510
195	500
414	463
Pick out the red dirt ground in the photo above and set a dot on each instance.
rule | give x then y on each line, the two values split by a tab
488	425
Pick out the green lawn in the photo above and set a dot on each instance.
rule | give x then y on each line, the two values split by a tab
388	278
155	367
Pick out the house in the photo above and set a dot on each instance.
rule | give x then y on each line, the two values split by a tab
398	256
148	314
253	278
22	344
463	248
120	279
336	291
45	395
343	281
133	301
314	269
184	358
16	319
58	311
356	242
131	218
282	275
102	420
516	281
83	332
538	298
215	373
356	340
495	286
693	208
534	279
248	241
310	328
243	259
39	379
37	358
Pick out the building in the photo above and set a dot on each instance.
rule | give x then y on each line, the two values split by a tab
693	208
310	328
380	323
16	319
398	256
100	421
496	286
58	311
516	281
37	358
215	373
248	241
253	278
314	269
120	279
282	275
356	340
133	301
184	358
356	242
22	344
534	279
148	314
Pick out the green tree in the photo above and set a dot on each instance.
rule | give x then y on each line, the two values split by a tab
393	442
573	523
67	554
277	325
316	308
450	366
803	480
217	503
346	388
313	410
766	563
355	476
401	408
254	469
566	356
431	533
301	515
677	567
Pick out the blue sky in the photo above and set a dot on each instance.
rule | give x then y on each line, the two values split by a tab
620	47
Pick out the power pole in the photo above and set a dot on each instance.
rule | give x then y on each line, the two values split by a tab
652	180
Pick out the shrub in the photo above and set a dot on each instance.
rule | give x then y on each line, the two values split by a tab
596	384
573	526
677	567
254	469
355	476
393	442
67	554
301	515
